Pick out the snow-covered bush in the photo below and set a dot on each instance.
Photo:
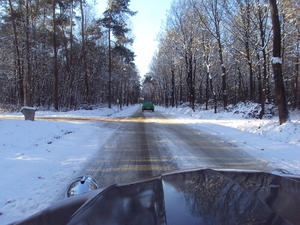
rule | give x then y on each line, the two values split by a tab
252	110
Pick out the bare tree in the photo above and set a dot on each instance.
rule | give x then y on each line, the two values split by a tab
211	15
277	67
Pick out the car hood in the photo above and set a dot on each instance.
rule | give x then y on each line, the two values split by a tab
200	196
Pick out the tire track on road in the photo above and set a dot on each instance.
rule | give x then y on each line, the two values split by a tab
125	156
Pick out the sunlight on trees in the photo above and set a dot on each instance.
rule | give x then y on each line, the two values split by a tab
54	55
219	52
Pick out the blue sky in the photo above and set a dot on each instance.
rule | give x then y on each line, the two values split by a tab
146	25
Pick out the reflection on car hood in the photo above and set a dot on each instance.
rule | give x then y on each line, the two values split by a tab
202	196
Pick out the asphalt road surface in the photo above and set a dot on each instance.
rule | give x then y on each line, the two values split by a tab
148	144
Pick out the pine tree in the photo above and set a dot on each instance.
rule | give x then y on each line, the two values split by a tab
115	20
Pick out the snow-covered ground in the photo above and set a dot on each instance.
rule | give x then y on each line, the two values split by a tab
38	159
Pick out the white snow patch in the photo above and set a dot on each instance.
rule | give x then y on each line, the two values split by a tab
276	60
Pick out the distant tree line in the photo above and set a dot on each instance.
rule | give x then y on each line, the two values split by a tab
57	53
220	52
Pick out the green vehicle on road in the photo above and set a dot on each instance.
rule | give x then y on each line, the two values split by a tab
148	105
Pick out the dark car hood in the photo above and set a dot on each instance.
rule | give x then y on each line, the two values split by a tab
201	196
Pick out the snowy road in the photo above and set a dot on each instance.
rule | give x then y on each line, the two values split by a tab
148	144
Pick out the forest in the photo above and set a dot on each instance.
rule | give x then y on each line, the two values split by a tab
219	52
59	55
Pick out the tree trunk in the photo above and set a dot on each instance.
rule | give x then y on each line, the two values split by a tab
189	81
248	55
27	86
173	88
296	78
207	86
83	54
251	85
214	94
180	88
19	72
277	67
241	92
109	70
71	85
223	68
55	88
264	75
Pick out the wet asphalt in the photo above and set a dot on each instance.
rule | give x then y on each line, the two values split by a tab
149	144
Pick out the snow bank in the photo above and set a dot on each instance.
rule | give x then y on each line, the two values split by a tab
244	117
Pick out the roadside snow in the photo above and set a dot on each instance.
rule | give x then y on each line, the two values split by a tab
264	139
268	128
38	159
